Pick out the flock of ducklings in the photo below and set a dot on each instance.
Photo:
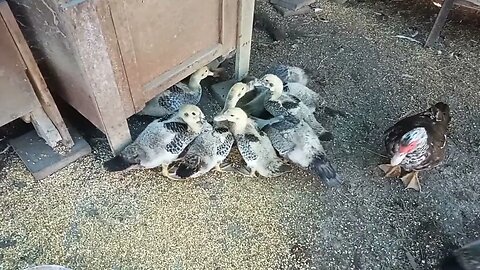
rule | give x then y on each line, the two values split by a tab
271	121
275	126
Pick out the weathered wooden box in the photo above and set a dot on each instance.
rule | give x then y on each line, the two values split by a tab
23	92
109	57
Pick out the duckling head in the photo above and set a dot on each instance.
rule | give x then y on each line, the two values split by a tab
192	116
235	118
198	76
274	84
237	91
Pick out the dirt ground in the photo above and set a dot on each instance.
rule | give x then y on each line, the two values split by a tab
85	218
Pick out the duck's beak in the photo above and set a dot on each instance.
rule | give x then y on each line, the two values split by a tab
216	72
220	118
397	158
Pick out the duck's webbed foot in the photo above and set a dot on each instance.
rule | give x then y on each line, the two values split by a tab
247	172
390	171
411	181
168	174
224	167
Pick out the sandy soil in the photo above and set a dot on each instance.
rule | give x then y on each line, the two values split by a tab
86	218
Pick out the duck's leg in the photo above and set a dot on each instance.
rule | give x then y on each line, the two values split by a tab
246	172
167	174
224	167
411	181
390	171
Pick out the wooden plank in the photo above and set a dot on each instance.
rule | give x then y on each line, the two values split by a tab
244	37
44	126
439	22
16	93
106	19
127	52
35	76
97	71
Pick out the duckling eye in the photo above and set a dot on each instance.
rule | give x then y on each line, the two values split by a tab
231	115
194	113
271	84
185	114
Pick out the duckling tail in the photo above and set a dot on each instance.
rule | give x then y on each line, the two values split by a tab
187	169
117	163
324	170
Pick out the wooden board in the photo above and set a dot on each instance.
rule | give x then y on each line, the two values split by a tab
16	93
34	75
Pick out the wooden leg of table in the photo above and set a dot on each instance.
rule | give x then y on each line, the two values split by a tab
44	127
439	22
244	37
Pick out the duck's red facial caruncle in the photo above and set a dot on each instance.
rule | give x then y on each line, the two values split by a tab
408	143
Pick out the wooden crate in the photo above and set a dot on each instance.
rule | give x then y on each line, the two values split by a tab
109	57
23	92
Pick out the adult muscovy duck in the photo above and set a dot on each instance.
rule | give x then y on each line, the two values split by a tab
417	143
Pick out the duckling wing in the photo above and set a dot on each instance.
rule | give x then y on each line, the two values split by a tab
248	144
283	106
281	135
181	137
311	98
169	101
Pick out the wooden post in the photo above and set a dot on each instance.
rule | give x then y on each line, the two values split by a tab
92	52
439	22
244	37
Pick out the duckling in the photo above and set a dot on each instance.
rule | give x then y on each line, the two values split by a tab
255	147
206	152
296	141
309	97
161	142
290	74
170	100
237	92
281	103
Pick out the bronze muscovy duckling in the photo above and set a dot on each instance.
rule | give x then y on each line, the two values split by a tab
417	143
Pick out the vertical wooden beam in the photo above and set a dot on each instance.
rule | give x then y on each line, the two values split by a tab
94	60
44	126
244	37
439	22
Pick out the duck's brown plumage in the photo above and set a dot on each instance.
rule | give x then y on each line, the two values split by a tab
435	120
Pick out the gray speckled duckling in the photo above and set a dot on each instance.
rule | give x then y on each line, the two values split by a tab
206	152
254	146
289	74
170	100
161	142
282	103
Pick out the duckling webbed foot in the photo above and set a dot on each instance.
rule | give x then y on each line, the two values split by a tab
224	167
411	181
246	172
167	174
390	171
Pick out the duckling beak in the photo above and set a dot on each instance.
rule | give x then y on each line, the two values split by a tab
220	118
397	158
216	72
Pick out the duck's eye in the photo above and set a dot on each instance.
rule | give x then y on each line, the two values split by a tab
231	115
194	113
185	114
271	84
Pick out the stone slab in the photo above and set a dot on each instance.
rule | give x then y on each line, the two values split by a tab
41	160
292	4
